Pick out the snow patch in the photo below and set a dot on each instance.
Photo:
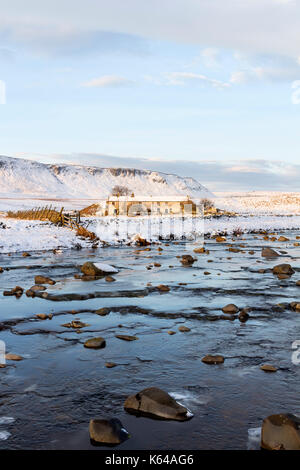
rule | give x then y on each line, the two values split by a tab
106	268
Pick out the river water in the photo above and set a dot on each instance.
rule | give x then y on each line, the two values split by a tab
48	398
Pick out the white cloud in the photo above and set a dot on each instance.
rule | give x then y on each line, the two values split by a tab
242	169
180	78
108	81
210	56
264	68
239	77
258	26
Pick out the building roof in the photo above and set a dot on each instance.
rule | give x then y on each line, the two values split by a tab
149	198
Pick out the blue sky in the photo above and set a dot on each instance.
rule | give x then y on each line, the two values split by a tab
186	86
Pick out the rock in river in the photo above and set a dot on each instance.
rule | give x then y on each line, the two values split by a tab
281	432
13	357
127	337
102	311
43	280
184	329
105	431
154	402
163	288
213	359
283	269
243	316
97	269
95	343
268	368
110	365
269	253
187	260
16	291
230	308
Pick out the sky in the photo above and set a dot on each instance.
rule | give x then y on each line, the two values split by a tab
203	88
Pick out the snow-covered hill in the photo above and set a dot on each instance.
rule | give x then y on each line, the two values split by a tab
28	178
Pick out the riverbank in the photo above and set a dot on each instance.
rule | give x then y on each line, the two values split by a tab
26	235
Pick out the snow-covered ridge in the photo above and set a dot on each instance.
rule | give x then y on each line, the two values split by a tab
28	178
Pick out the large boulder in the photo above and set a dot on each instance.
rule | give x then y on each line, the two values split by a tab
105	431
281	432
283	269
154	402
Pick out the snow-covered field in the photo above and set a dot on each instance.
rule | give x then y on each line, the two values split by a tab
113	230
260	203
22	235
15	204
29	235
257	211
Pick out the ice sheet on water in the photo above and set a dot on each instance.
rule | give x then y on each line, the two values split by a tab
4	435
190	398
31	388
6	420
254	436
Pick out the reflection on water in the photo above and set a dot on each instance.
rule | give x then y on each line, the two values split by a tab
48	398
